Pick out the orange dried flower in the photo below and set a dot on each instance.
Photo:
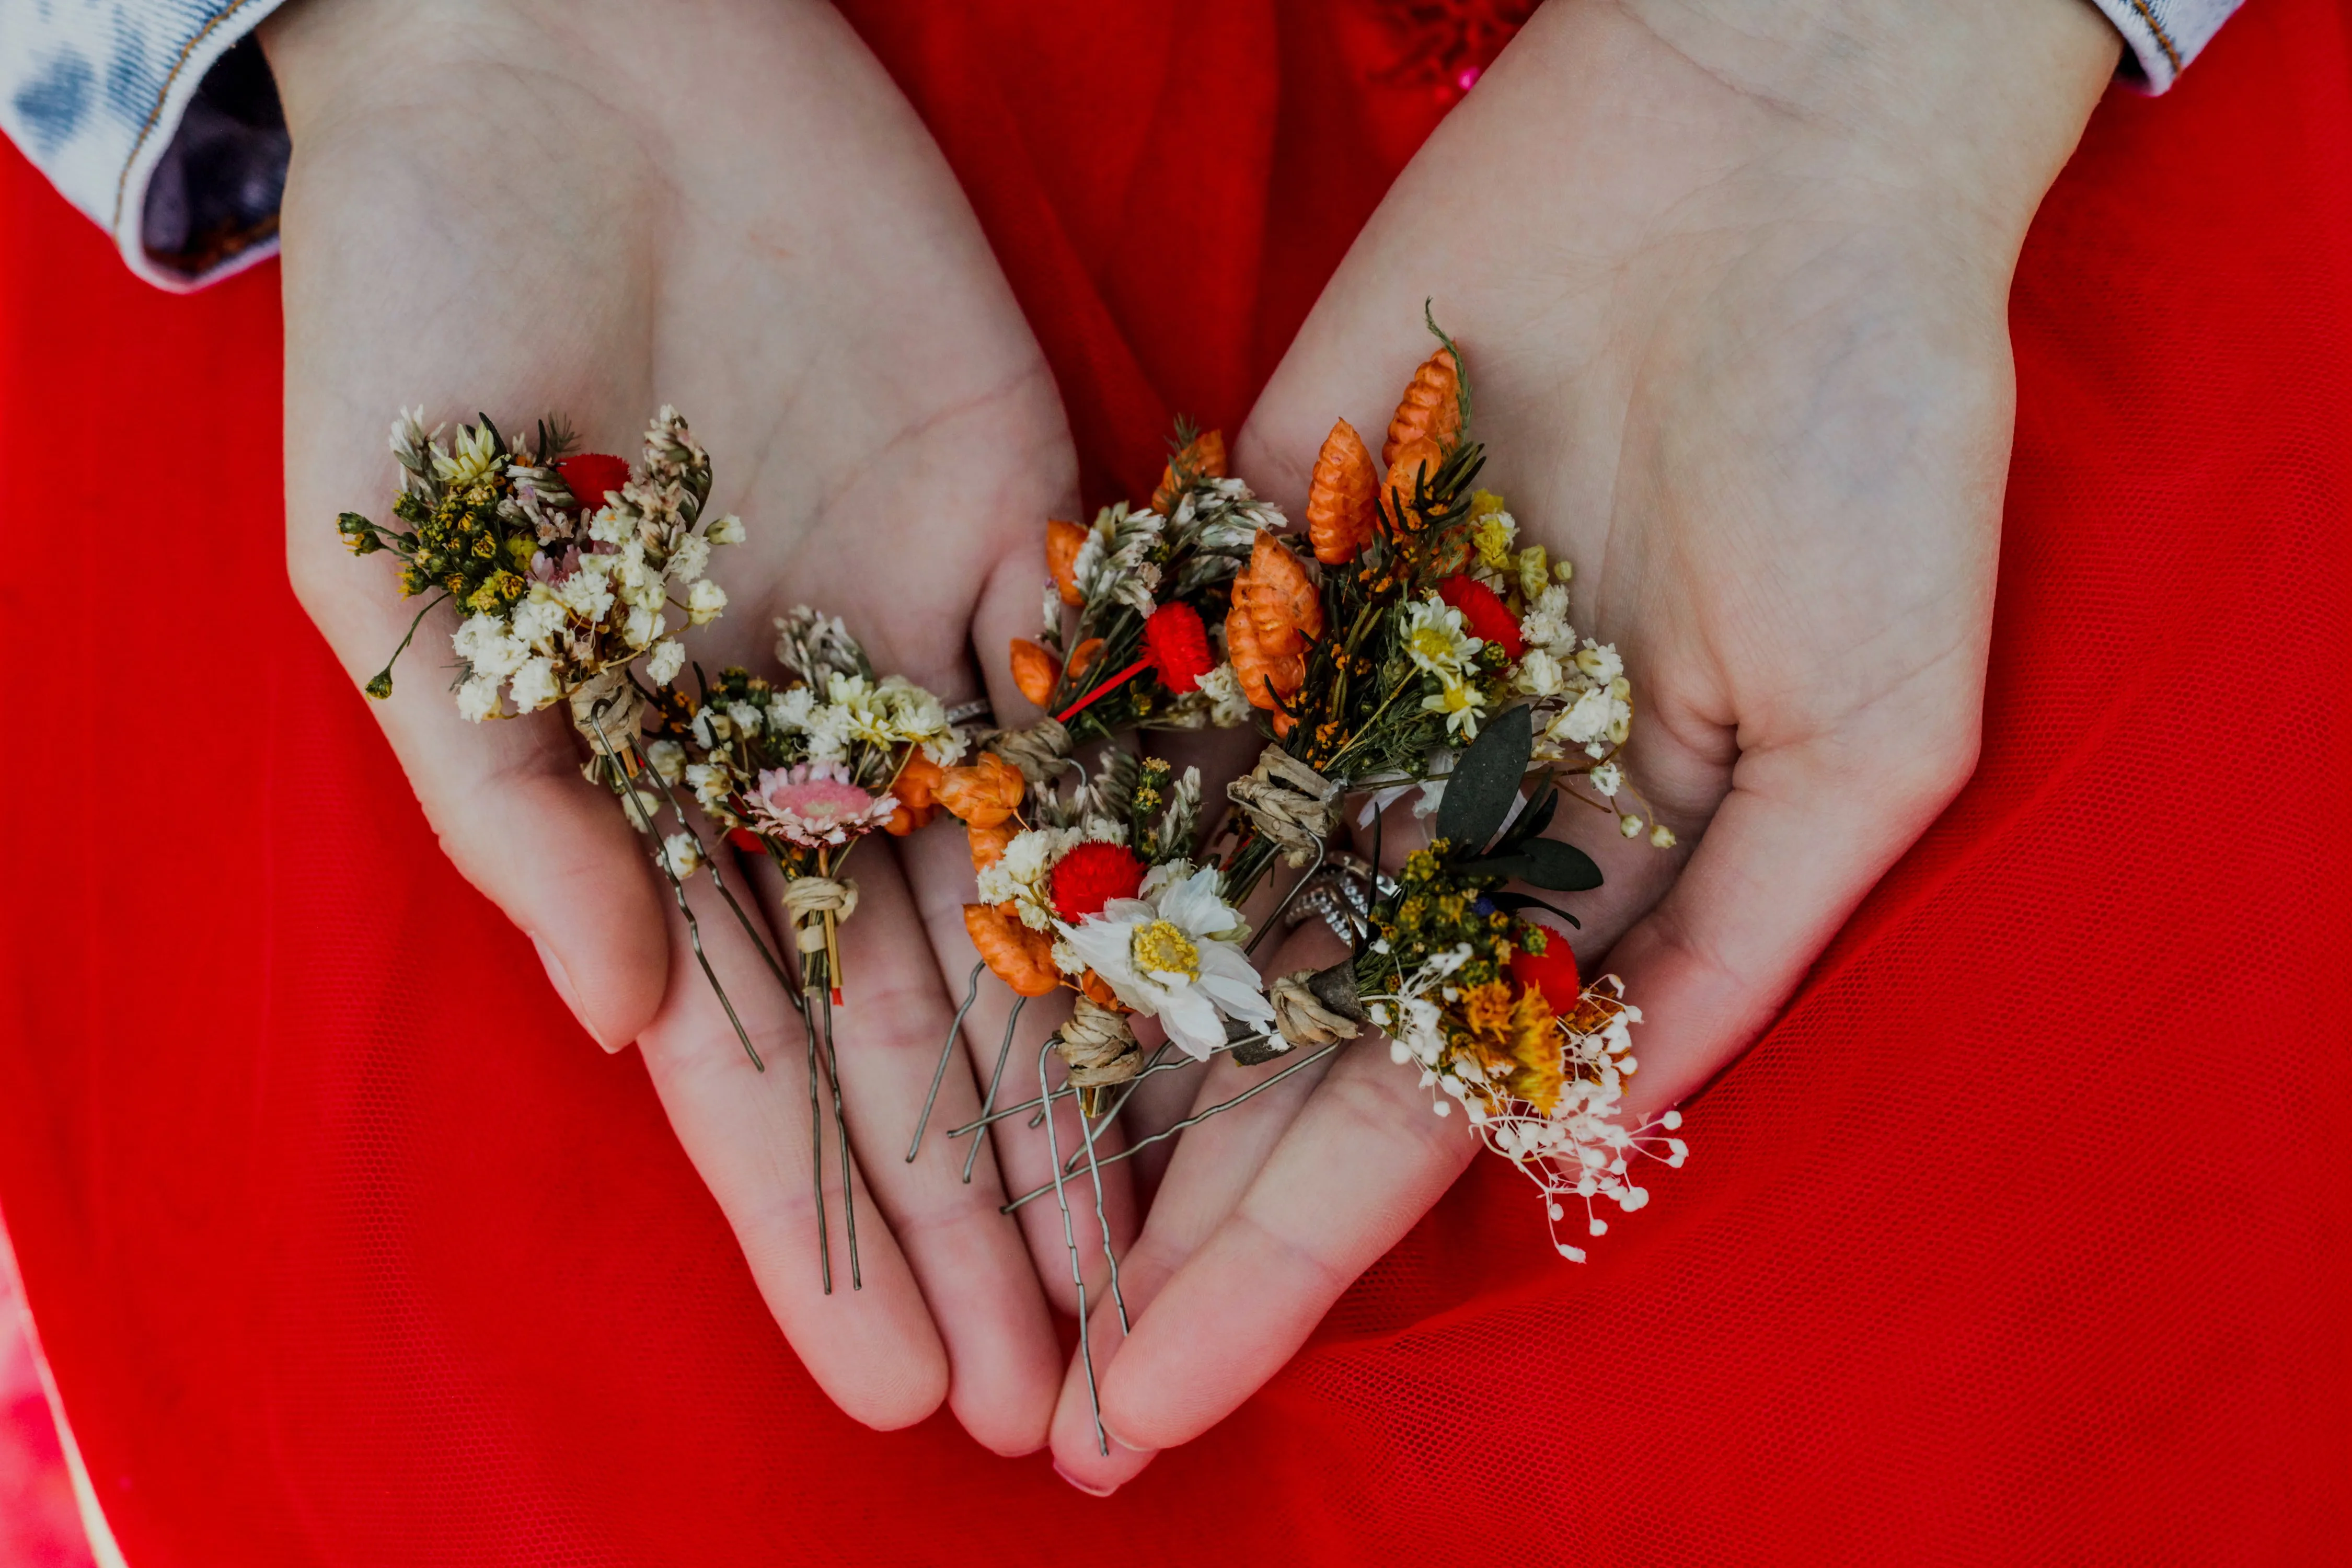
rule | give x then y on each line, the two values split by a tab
1431	409
1339	496
1203	454
1034	671
917	784
1265	677
1280	600
1097	990
989	844
1083	657
1063	541
982	794
1022	958
1414	461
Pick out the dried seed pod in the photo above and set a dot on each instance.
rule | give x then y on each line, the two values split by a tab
1339	498
1415	461
1205	455
1022	958
1265	677
1034	671
989	844
1279	598
1063	542
1431	409
983	793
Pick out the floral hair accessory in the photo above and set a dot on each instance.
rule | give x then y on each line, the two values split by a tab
1405	642
560	592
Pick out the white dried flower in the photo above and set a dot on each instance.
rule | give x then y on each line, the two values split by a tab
665	661
681	855
705	602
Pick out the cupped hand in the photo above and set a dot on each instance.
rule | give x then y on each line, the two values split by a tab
723	205
1731	281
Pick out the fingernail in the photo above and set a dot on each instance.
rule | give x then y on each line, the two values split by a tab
1087	1488
1111	1433
563	983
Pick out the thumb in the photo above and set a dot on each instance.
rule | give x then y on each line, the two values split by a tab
553	850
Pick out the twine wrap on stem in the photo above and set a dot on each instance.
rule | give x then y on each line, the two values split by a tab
1099	1047
1317	1007
1288	804
608	713
808	899
1038	751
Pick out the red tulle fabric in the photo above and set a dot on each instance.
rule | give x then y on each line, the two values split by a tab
2022	1237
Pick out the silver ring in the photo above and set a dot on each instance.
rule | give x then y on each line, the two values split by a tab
979	710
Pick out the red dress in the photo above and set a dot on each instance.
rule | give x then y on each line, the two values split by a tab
2023	1236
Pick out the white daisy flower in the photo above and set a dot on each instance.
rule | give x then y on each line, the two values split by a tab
1174	954
1437	638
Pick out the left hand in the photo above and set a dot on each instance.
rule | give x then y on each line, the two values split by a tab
1732	282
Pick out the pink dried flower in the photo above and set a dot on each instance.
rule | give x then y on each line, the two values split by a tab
816	804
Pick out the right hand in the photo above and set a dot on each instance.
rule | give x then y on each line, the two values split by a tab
597	208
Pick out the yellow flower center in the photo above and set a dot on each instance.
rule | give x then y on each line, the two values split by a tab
1162	948
1435	643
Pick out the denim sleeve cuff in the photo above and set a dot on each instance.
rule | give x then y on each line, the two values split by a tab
159	120
2164	35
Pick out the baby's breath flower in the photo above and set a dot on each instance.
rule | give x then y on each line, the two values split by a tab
682	855
704	602
1661	836
728	530
668	659
1630	825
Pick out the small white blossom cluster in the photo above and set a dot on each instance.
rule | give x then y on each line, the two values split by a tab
602	584
1580	1147
1436	639
812	761
1114	566
1582	699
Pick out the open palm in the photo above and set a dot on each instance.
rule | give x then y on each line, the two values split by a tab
1735	312
597	209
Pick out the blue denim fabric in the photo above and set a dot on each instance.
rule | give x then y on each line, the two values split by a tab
156	118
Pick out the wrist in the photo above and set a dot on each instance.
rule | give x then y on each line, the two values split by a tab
1973	107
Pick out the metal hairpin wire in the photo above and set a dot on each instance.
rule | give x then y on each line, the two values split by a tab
947	1051
995	1082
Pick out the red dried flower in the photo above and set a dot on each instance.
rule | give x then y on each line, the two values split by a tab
1092	875
1178	645
593	476
1551	972
1490	619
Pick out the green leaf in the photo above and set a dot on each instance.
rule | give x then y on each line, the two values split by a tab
1546	862
1531	823
1483	783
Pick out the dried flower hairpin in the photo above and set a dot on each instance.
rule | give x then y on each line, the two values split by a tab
1406	641
567	569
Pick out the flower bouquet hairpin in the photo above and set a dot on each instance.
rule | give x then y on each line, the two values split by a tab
1145	585
565	567
798	772
1422	649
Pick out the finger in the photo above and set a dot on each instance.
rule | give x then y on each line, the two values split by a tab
872	1347
1363	1160
1005	1363
1213	1164
1795	846
1002	1035
513	813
